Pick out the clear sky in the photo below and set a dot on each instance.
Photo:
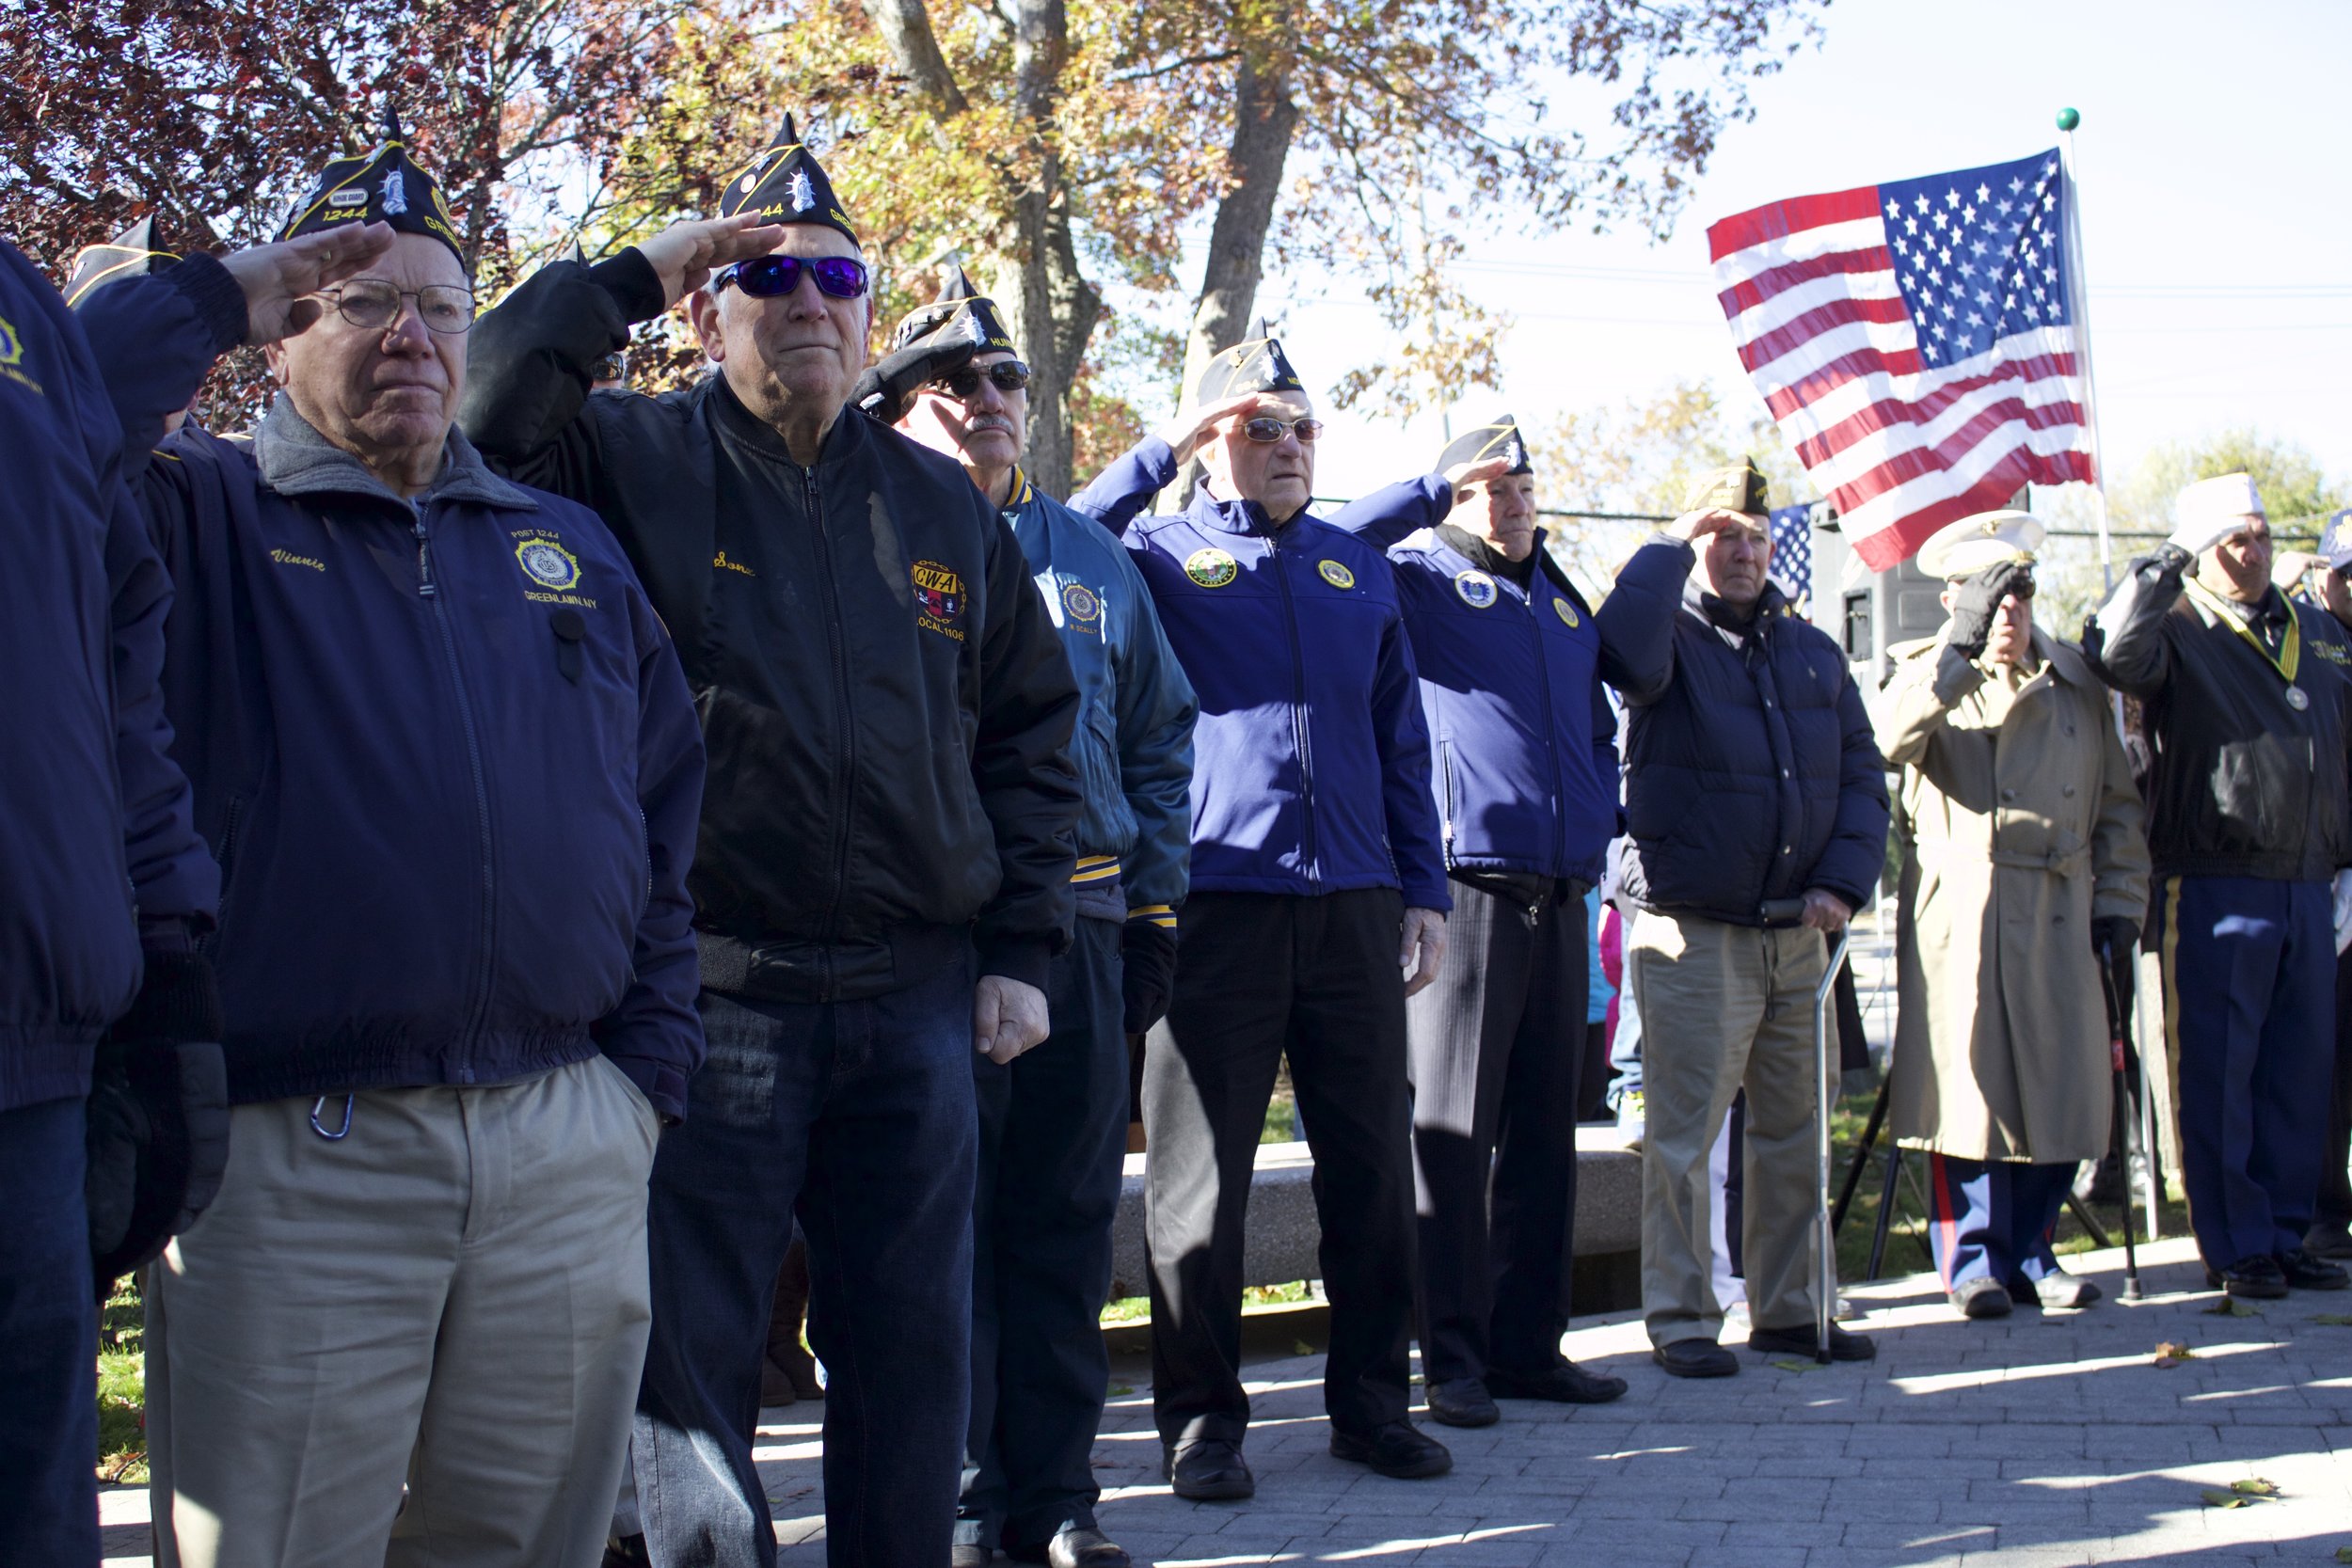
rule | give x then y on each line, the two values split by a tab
2216	160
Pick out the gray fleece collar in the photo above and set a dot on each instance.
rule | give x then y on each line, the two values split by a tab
296	460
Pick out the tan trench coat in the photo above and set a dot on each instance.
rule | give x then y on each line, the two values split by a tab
2020	826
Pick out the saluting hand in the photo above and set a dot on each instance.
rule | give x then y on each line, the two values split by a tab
686	254
1008	1018
278	277
1465	477
1692	527
1191	429
1424	939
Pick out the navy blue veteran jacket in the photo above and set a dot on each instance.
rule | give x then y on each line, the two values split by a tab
1752	773
1134	742
97	851
887	709
442	751
1526	765
1310	771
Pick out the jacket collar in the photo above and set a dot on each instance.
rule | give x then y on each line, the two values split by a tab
1483	556
848	433
1235	517
1769	605
296	460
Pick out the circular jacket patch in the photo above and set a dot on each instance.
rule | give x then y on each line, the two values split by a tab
1336	575
549	564
1567	611
1211	567
1476	589
1080	601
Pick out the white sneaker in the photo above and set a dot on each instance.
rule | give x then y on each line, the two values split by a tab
1630	1117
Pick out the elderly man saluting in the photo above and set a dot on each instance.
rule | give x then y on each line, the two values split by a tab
1755	806
1317	882
882	874
2248	700
2023	860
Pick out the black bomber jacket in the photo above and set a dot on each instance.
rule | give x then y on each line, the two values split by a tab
2250	773
885	702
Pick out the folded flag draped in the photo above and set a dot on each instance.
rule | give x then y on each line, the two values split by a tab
1918	343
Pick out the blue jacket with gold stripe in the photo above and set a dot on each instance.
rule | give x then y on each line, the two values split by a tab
441	747
1133	745
1313	759
1525	741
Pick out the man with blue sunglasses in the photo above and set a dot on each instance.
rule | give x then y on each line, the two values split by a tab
883	871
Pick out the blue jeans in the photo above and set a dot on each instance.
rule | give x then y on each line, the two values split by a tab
1053	1140
859	1116
2249	974
48	1342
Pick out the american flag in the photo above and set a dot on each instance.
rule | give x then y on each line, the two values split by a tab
1916	340
1792	554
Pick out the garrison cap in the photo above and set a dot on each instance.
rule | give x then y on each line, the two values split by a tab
1497	438
2219	499
383	185
143	247
1256	364
1963	549
1734	489
2335	541
961	311
785	185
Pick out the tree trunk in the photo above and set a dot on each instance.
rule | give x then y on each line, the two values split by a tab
1049	305
1264	120
906	29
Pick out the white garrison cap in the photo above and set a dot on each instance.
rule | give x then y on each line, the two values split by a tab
2215	500
1963	549
2335	541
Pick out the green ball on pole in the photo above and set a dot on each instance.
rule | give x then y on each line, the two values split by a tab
2068	119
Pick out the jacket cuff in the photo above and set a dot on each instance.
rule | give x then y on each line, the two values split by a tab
1436	898
1157	458
216	296
1019	958
1161	915
660	1082
176	1002
633	284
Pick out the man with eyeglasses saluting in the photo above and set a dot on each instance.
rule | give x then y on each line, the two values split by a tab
882	877
1318	905
445	756
1053	1124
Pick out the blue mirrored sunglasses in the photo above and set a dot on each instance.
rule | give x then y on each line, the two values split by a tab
774	276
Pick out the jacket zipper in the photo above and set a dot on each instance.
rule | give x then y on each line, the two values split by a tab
1445	768
225	858
845	717
428	591
1551	730
645	850
1299	718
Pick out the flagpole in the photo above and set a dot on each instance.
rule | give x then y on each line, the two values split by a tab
2080	306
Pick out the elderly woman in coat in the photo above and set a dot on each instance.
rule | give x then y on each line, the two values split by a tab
2022	854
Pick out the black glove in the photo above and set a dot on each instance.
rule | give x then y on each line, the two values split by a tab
886	387
1975	603
2115	933
1148	955
158	1129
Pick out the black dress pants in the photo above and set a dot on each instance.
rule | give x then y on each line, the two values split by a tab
1496	1048
1262	976
2335	1175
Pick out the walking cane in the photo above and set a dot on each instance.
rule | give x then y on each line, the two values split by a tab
1823	1068
2124	1120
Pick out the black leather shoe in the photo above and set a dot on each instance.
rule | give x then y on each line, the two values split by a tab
1563	1383
1209	1470
1982	1298
2306	1273
2328	1239
1803	1341
1081	1547
2255	1278
1462	1401
1695	1358
1398	1449
2060	1289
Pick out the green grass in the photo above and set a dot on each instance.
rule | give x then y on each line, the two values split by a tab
123	1388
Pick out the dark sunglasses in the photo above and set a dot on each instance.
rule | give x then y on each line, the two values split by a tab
1006	376
1266	429
774	276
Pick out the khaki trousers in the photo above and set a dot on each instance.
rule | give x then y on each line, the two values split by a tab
452	1295
1725	1007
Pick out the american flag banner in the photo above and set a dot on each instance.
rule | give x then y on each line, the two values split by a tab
1918	343
1792	554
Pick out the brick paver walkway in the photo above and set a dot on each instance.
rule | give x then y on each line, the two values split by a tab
2046	1439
